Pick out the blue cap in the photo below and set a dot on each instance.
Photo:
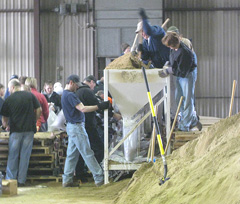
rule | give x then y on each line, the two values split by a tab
74	78
14	76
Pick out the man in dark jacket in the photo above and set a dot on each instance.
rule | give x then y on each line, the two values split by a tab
87	97
152	48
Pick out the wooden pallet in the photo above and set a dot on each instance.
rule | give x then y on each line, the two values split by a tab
35	149
48	178
45	158
183	137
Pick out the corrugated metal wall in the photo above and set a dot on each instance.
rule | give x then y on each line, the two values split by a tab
16	41
214	29
66	43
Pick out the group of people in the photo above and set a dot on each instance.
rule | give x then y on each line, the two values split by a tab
175	54
25	111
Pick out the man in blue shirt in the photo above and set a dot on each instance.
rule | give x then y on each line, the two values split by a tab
78	142
152	48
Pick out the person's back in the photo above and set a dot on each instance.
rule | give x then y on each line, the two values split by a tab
42	121
153	47
21	111
87	97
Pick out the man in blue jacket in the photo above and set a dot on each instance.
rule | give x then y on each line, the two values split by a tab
152	48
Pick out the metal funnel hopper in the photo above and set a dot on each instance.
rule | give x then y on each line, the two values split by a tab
128	88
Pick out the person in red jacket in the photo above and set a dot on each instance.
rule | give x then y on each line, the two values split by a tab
42	121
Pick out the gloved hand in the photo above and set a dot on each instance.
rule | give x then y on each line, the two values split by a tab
142	13
166	65
165	72
104	105
140	48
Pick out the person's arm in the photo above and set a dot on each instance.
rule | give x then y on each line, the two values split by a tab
101	106
45	109
5	123
86	109
38	112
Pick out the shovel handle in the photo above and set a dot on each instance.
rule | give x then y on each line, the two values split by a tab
232	98
165	22
134	43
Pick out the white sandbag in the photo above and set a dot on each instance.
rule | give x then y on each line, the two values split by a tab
59	122
51	118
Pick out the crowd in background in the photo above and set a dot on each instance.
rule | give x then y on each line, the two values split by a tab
49	107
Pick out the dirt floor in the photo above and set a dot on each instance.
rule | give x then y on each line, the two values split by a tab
52	192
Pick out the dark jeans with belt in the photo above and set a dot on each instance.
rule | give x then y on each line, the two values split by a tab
96	145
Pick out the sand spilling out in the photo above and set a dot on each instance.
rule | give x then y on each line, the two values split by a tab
127	61
205	170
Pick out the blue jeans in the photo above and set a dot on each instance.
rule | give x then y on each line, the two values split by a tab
78	143
185	87
19	143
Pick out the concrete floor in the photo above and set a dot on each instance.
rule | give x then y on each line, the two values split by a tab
52	192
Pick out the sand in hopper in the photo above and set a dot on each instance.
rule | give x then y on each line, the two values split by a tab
125	62
205	170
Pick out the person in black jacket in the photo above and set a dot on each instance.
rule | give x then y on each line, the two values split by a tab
87	97
183	66
52	97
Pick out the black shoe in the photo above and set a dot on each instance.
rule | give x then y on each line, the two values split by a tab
65	185
21	184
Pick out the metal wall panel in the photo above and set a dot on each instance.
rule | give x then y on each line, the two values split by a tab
66	43
16	4
117	22
213	27
16	42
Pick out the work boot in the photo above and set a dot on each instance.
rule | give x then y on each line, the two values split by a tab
199	126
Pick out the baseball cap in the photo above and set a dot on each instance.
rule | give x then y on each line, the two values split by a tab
74	78
139	27
14	76
89	78
173	29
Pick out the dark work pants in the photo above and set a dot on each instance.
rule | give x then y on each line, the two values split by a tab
97	147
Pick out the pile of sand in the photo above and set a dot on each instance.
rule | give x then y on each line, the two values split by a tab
205	170
127	61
